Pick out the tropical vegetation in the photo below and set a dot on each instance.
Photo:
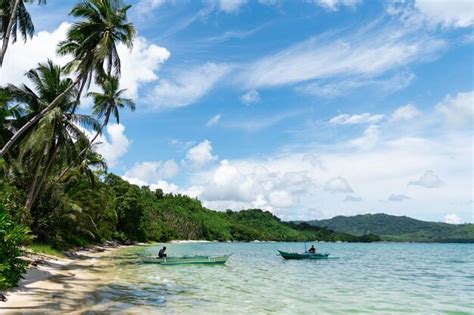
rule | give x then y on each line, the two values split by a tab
399	228
54	186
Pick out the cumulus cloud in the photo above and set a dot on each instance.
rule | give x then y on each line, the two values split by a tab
458	13
398	197
452	219
334	5
368	140
338	185
250	97
458	110
427	180
113	146
186	87
139	65
405	112
345	119
201	154
151	171
213	121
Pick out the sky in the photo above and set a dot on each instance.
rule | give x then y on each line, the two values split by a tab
308	109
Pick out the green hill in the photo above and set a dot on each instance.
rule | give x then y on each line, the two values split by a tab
399	228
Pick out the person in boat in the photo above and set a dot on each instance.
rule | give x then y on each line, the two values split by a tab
312	250
161	253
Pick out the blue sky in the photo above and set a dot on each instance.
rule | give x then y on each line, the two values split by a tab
309	109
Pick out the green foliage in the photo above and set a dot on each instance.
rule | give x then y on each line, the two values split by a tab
11	265
47	249
399	228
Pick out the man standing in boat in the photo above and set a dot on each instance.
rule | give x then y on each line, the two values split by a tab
161	253
312	250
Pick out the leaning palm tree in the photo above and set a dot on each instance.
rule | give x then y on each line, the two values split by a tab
106	104
13	18
52	142
93	43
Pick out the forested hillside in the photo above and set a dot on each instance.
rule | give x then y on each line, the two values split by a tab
399	228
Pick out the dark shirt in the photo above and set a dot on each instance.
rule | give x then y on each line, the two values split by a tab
161	253
312	250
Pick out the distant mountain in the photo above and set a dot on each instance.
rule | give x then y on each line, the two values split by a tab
399	228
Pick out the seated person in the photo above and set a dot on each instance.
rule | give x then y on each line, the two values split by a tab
161	253
312	250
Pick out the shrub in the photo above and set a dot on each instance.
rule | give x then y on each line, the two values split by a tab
11	265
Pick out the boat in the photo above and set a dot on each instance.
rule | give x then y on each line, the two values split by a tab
185	260
306	255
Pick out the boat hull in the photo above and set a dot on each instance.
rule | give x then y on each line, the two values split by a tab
186	260
288	255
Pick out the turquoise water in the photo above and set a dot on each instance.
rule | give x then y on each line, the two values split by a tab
381	278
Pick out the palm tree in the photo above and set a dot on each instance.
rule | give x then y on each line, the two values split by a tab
53	140
92	42
14	17
106	104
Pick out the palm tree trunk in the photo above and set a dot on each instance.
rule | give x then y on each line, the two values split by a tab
6	36
43	177
29	198
82	152
37	117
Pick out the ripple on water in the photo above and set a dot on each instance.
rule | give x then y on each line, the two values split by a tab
367	278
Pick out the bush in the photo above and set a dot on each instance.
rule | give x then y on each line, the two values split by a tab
11	265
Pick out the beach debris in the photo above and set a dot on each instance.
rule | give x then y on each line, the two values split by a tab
3	298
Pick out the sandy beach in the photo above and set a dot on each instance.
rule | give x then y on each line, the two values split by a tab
59	285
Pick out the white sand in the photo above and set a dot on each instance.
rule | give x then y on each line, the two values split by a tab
59	285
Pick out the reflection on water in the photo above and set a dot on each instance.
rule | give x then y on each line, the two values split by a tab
367	278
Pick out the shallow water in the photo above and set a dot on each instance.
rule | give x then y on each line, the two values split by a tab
379	278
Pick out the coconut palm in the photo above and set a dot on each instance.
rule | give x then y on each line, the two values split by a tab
93	43
13	18
106	104
52	141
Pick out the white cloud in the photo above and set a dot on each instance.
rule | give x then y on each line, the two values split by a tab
201	154
334	5
368	140
367	53
282	199
459	110
145	6
458	13
338	185
427	180
186	87
213	121
259	123
19	57
350	198
229	6
139	65
250	97
113	146
336	88
345	119
452	219
152	171
303	172
406	112
398	197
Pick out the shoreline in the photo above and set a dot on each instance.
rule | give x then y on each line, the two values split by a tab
64	281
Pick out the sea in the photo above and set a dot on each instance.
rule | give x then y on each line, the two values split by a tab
373	278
